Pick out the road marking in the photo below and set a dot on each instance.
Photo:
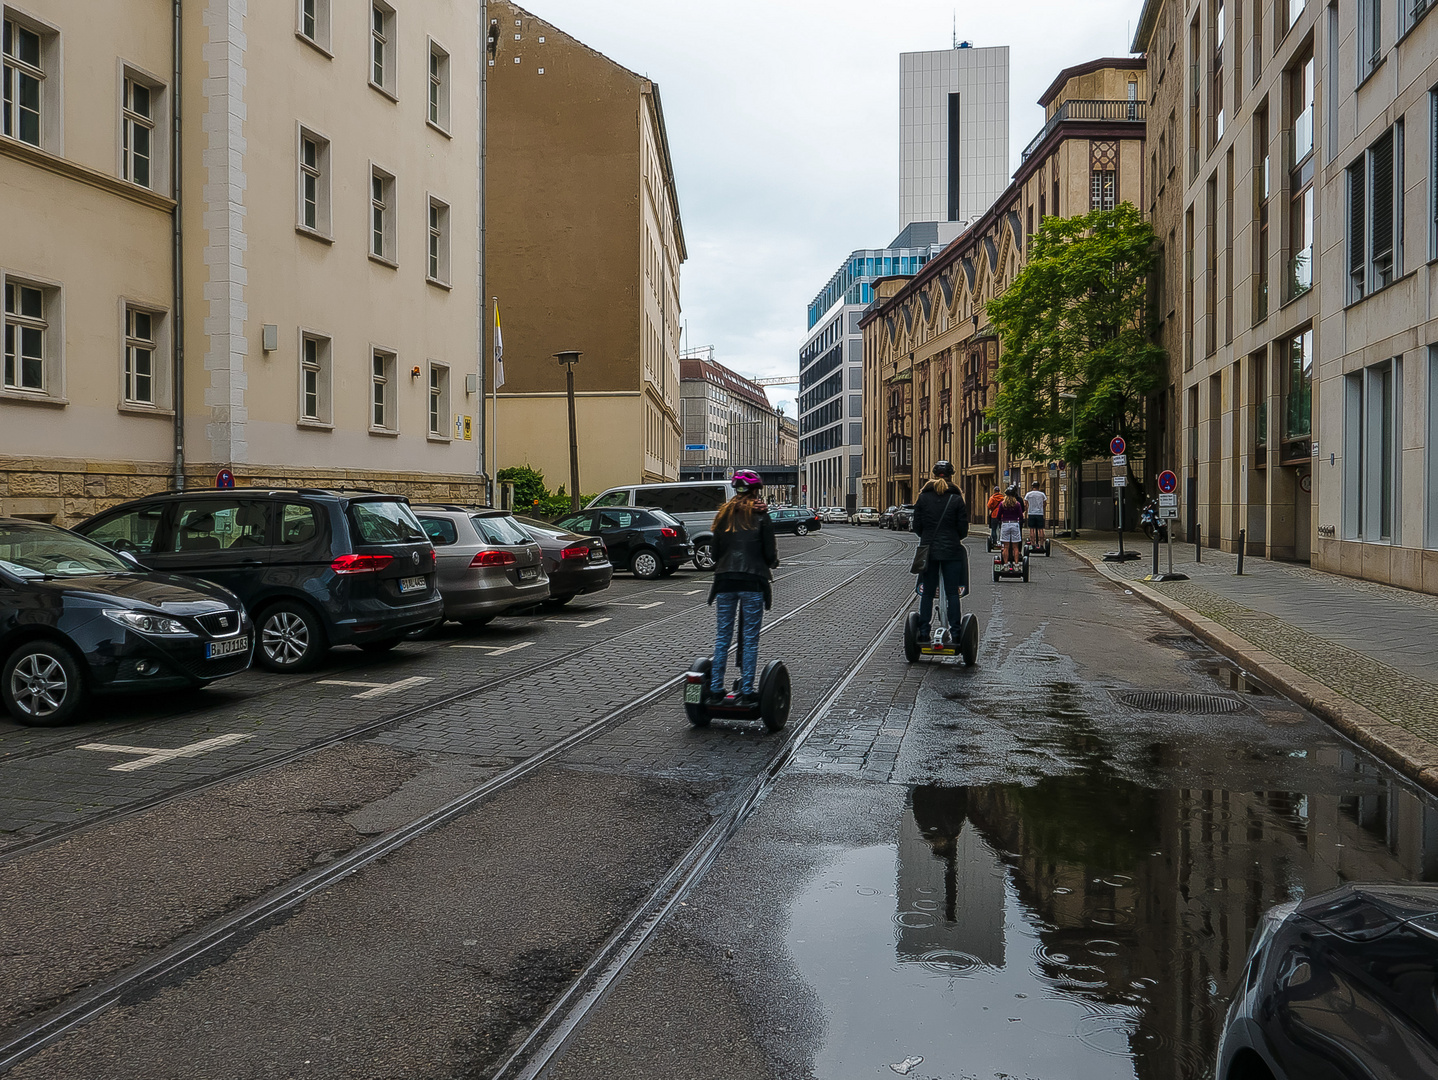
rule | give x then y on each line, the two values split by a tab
496	650
153	755
641	607
579	622
682	592
377	689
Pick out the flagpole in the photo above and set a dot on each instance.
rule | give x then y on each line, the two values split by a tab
494	381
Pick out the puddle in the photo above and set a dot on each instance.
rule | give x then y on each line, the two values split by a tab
1084	926
1233	679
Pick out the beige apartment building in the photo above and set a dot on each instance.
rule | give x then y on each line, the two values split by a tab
1297	199
929	351
585	244
322	204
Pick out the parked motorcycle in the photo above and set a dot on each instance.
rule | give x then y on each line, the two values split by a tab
1153	524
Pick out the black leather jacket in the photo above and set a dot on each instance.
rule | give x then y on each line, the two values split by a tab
744	559
942	522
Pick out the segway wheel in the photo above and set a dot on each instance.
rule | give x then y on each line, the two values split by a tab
911	637
1026	568
996	575
774	695
695	710
969	639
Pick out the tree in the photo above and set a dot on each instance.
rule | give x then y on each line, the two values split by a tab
1076	320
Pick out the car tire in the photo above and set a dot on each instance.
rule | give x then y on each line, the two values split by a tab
645	563
383	645
292	639
704	556
42	684
801	529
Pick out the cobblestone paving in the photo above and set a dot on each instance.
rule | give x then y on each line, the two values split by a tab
1398	695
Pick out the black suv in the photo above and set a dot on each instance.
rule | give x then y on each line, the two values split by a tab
314	568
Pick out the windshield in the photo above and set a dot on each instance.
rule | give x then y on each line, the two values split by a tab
385	522
501	529
43	550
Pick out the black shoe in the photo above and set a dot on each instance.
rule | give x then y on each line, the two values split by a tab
747	701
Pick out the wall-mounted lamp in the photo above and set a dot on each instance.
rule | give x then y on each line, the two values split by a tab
414	372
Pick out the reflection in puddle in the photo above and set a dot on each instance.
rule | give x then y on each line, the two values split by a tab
1084	926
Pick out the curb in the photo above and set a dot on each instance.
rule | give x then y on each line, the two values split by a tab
1413	756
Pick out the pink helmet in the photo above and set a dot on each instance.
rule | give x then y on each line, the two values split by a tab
746	480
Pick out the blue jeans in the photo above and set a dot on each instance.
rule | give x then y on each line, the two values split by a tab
955	573
750	606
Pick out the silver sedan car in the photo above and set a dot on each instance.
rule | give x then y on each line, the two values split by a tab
487	564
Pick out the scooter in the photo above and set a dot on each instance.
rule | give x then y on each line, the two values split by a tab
943	643
775	696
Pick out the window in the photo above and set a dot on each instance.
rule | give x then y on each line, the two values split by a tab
138	132
1410	11
1101	189
314	184
1432	444
133	531
1301	197
437	270
438	87
1372	406
1262	189
438	400
1298	395
1215	103
314	24
1433	174
1369	32
383	416
221	524
24	82
1288	12
299	524
1375	215
382	49
315	380
382	216
27	338
140	375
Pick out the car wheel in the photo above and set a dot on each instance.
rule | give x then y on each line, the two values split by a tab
704	556
291	638
384	645
42	684
801	529
645	564
560	601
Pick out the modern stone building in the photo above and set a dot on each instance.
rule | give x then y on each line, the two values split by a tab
728	421
583	258
929	353
289	289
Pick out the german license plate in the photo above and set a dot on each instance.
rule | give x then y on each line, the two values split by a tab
411	584
528	573
693	693
216	649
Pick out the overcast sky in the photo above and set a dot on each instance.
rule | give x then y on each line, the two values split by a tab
783	126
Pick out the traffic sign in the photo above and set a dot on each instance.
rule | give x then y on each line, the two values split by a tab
1120	481
1167	481
1118	445
224	479
696	446
1120	460
1168	499
1168	511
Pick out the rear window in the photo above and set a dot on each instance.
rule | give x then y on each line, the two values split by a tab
385	522
704	499
501	529
663	518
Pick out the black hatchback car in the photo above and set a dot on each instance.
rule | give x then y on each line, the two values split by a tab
799	520
645	539
314	568
76	618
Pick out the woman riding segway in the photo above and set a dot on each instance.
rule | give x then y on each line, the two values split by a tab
941	518
745	554
1011	530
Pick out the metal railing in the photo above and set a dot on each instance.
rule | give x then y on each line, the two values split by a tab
1081	109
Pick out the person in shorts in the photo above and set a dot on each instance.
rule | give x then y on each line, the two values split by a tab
1011	529
1036	503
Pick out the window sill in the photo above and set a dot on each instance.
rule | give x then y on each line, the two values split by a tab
1404	36
1371	72
132	408
314	425
384	433
1378	292
315	45
435	127
432	437
446	286
314	234
384	91
1294	299
25	397
383	261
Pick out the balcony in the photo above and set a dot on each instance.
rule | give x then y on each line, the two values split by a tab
984	458
1078	109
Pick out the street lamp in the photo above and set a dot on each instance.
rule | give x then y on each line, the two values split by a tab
1072	399
569	359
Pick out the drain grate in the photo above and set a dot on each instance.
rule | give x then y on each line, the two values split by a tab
1169	701
1180	641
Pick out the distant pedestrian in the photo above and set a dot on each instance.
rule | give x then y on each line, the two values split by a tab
1011	530
1037	501
941	518
745	554
995	501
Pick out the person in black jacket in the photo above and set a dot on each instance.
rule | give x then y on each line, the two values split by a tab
745	553
941	518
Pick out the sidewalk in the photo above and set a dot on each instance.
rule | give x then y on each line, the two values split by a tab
1361	655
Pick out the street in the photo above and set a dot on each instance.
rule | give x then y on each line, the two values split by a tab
506	853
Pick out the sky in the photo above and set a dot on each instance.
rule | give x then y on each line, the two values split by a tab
783	121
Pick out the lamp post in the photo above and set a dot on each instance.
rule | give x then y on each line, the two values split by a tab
569	359
1072	399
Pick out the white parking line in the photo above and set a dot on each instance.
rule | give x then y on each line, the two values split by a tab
155	756
377	689
579	622
496	650
641	607
682	592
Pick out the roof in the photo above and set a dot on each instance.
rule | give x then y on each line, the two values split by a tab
1122	63
712	371
1147	22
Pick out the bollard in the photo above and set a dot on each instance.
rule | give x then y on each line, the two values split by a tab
1155	553
1242	535
1198	543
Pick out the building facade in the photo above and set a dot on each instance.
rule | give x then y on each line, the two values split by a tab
953	132
728	421
288	290
929	355
1301	395
582	258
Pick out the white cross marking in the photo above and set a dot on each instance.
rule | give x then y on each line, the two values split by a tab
496	650
641	607
377	689
152	755
577	622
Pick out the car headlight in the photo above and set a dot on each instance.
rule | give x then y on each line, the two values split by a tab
146	623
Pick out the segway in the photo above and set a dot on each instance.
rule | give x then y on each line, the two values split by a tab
966	644
774	696
1018	570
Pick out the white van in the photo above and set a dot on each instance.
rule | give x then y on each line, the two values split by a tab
693	502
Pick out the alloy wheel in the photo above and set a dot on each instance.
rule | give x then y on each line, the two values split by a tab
645	565
285	638
39	686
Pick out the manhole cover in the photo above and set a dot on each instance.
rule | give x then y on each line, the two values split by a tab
1179	641
1169	701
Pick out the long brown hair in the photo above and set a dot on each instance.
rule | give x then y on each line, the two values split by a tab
940	485
737	514
1011	499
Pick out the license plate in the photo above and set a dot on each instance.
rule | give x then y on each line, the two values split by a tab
411	584
528	573
216	649
693	693
595	555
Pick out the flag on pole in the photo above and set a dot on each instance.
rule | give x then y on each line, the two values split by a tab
498	350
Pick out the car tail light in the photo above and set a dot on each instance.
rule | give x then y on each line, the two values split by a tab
493	558
575	553
360	564
666	531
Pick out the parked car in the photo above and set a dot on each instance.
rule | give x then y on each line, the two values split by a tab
834	515
799	520
1339	986
576	564
77	618
487	564
903	518
645	539
314	568
693	503
865	515
886	519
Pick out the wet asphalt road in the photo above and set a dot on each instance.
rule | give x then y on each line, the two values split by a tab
1003	871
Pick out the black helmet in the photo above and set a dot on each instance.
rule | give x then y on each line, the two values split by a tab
943	468
1013	489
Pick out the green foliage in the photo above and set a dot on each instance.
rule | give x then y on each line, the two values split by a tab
1076	319
531	497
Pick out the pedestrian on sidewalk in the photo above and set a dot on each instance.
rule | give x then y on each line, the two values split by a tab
996	500
941	518
745	554
1011	531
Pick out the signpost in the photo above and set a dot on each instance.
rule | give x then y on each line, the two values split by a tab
1120	481
1167	513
